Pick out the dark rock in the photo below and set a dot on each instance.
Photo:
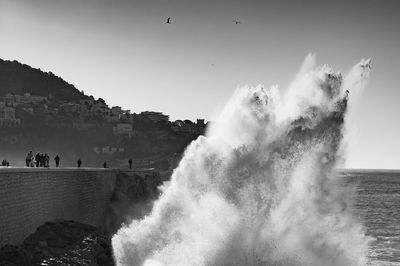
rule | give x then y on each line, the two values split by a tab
12	255
60	243
42	244
57	243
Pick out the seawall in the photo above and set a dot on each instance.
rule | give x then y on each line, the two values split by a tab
31	196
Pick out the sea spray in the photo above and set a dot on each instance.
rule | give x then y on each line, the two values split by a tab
259	188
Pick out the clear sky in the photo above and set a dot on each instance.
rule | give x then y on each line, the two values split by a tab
124	52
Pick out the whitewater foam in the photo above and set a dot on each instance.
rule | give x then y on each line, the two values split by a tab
260	188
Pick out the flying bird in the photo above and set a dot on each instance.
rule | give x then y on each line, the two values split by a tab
168	21
237	21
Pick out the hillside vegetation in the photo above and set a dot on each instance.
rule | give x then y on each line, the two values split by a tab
19	78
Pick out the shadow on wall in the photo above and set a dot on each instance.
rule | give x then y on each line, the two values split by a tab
132	198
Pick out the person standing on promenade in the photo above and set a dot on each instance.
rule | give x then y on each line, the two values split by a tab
41	161
37	159
130	163
79	162
57	160
46	160
29	158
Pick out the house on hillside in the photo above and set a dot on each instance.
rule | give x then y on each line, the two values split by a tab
7	116
116	110
155	116
15	99
188	126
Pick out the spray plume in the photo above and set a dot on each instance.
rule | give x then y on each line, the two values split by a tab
260	188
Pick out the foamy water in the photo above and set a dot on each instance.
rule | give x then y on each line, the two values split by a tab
259	188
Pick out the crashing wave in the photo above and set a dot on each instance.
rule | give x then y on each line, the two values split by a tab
260	188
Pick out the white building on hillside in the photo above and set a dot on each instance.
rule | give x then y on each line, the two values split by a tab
7	116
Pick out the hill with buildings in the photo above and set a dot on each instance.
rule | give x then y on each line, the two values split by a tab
19	79
43	113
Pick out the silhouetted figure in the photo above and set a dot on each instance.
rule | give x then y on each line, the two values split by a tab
46	160
41	161
57	160
4	162
168	21
29	158
130	163
105	165
237	21
37	159
79	162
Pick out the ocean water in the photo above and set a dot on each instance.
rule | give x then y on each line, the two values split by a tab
377	205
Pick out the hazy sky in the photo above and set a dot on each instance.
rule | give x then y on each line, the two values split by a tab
124	52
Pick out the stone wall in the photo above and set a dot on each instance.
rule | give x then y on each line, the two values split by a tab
31	196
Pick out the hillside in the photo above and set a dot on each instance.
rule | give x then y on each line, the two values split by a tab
19	78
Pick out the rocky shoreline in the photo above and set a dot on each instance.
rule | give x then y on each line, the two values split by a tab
61	243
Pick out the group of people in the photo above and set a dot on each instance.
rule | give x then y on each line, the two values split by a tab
43	160
40	160
5	163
